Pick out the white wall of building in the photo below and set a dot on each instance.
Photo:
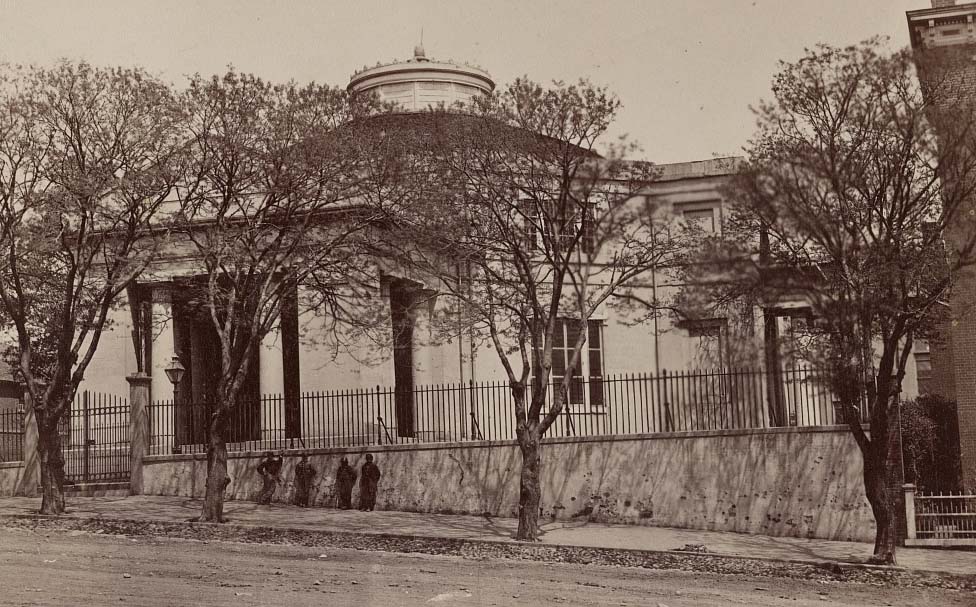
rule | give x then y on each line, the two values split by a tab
350	386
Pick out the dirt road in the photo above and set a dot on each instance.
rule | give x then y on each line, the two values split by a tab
81	569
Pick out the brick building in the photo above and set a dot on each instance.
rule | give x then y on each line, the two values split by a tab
944	39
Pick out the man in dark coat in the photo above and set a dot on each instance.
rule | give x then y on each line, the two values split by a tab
345	479
304	472
367	484
269	469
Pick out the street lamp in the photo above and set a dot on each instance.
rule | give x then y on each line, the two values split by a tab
175	372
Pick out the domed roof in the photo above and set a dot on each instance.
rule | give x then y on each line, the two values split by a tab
437	130
420	83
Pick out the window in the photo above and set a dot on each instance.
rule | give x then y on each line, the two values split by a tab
564	232
579	221
590	364
530	219
704	219
588	239
704	215
594	351
923	367
797	331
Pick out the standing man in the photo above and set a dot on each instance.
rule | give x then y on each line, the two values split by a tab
367	484
304	472
345	479
269	469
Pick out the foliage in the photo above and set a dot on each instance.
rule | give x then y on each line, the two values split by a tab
930	443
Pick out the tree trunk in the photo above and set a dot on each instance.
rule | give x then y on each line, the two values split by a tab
52	468
217	479
530	486
876	488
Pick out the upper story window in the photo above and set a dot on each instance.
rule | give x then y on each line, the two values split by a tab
703	217
530	223
565	229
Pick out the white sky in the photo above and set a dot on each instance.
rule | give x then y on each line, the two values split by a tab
686	70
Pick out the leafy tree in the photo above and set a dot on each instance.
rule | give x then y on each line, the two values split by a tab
520	227
930	443
266	206
87	158
852	180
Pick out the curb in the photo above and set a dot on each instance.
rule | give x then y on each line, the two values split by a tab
485	548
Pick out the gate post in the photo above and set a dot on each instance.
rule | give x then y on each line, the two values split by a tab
138	428
909	490
30	478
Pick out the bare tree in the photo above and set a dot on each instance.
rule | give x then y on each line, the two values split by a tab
852	180
526	232
268	205
87	158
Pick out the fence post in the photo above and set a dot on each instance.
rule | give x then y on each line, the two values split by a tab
86	439
138	428
30	478
909	490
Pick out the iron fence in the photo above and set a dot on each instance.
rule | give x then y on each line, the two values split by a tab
95	439
728	399
945	518
11	435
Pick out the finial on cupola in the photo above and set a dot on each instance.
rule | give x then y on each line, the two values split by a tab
418	51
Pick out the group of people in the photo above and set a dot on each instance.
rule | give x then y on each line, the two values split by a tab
270	470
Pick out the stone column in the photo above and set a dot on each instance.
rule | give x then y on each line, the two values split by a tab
138	428
30	478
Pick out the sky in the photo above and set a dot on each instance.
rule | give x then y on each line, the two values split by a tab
686	71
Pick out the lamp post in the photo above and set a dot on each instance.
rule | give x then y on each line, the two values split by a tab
175	372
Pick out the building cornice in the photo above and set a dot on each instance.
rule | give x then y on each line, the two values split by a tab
936	27
428	70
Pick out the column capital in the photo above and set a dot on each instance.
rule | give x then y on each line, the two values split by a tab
139	379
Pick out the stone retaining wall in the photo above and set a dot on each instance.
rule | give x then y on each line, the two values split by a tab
10	473
802	482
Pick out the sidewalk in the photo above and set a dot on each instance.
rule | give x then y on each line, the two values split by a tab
591	535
